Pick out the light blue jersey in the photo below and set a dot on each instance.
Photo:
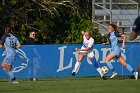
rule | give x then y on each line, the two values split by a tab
10	44
114	42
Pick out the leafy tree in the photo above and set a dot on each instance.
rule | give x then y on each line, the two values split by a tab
56	21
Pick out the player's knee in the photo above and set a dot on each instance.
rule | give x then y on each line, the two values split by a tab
106	60
3	64
79	60
124	64
8	68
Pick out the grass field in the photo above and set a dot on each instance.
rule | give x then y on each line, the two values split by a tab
71	85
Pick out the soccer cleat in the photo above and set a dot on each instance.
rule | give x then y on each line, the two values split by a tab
73	73
136	75
113	75
15	82
104	78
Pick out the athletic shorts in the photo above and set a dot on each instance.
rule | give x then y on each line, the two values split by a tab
89	53
9	60
117	53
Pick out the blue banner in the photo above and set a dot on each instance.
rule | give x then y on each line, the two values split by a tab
47	61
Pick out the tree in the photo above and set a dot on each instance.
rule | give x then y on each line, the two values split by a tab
56	21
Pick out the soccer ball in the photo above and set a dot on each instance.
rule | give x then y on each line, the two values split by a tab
104	70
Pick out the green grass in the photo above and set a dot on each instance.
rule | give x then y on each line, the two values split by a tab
71	85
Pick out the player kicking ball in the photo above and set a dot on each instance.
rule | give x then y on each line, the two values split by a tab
87	50
10	43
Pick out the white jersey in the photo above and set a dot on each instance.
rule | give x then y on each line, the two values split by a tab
88	43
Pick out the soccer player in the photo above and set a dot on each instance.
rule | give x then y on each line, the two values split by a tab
86	50
116	51
136	29
11	43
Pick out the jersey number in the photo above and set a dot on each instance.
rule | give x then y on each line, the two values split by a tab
12	44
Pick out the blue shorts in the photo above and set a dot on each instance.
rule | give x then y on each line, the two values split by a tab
117	53
9	60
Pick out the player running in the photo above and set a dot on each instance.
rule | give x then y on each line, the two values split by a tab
86	50
10	43
116	51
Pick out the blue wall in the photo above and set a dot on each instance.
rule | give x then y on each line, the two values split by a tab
43	61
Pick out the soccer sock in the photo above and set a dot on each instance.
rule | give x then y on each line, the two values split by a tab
99	71
130	68
11	74
110	66
93	60
4	69
77	66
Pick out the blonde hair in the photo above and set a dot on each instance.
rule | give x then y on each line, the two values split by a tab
89	32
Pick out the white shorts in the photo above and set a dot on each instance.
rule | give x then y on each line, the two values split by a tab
89	53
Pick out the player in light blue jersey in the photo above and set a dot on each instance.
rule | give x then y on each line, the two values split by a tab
11	43
116	51
87	50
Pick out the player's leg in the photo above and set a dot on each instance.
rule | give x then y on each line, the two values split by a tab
109	64
3	65
94	62
8	67
122	61
92	58
77	64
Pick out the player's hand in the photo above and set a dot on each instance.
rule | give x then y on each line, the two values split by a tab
83	32
104	44
76	49
123	46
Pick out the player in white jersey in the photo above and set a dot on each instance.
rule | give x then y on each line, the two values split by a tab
86	50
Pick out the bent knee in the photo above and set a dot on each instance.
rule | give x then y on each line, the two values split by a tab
106	60
3	64
8	68
124	64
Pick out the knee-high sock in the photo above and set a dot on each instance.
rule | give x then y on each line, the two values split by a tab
11	74
4	69
109	64
130	68
77	66
93	60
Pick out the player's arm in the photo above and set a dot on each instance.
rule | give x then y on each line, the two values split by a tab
83	33
84	49
90	44
106	43
124	40
18	46
1	43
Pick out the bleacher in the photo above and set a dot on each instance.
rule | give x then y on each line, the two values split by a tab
123	18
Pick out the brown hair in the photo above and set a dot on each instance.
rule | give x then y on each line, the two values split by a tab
8	30
115	27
